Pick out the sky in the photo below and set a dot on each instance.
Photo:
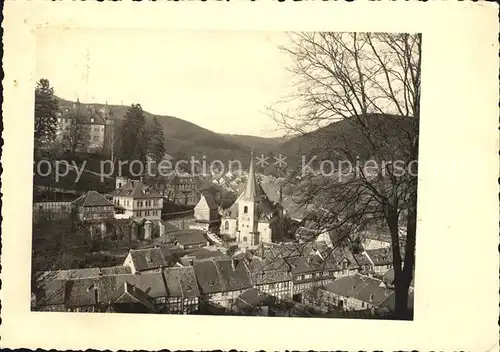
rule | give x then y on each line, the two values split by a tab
222	81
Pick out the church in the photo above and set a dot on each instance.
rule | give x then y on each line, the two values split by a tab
252	219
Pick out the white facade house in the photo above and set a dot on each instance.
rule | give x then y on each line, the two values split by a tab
137	200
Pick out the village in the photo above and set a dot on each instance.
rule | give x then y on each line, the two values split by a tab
175	249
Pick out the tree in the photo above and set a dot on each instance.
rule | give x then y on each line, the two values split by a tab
78	136
133	135
46	106
361	93
156	140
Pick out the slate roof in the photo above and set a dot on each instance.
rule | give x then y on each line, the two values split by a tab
181	282
150	283
92	199
207	277
363	288
116	270
51	292
250	298
270	276
81	293
189	237
209	198
233	279
136	189
381	256
69	274
148	258
202	253
128	293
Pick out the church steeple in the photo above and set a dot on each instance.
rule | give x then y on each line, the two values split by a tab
251	191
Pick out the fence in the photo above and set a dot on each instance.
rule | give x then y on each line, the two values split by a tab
51	211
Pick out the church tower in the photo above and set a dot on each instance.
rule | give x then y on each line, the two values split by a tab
248	205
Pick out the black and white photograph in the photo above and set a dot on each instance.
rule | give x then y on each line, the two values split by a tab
250	176
238	173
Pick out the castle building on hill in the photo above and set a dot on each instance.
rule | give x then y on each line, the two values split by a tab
92	127
252	217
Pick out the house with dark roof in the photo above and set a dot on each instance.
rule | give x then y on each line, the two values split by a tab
381	259
200	255
145	260
189	239
358	292
271	276
92	206
128	298
182	290
137	200
253	302
221	282
206	213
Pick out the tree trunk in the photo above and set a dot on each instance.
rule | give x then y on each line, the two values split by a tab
402	285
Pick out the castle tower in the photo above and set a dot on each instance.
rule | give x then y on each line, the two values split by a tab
248	203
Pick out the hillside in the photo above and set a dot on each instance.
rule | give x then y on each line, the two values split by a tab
344	134
259	144
184	139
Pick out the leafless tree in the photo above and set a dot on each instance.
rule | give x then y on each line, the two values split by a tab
358	101
78	136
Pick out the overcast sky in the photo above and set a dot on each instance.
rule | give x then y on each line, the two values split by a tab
222	81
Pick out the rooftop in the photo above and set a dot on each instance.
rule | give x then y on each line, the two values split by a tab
136	189
147	258
92	199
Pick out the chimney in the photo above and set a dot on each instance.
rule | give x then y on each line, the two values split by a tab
147	230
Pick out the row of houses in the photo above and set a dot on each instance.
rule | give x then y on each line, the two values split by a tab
147	281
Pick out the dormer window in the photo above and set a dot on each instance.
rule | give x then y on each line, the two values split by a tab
211	283
371	297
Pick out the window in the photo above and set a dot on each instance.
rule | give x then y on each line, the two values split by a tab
226	225
245	210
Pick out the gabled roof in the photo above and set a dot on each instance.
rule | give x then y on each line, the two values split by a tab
81	292
210	200
189	237
51	292
136	189
251	298
181	282
116	270
128	293
363	288
148	258
92	199
207	277
150	283
233	279
381	256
